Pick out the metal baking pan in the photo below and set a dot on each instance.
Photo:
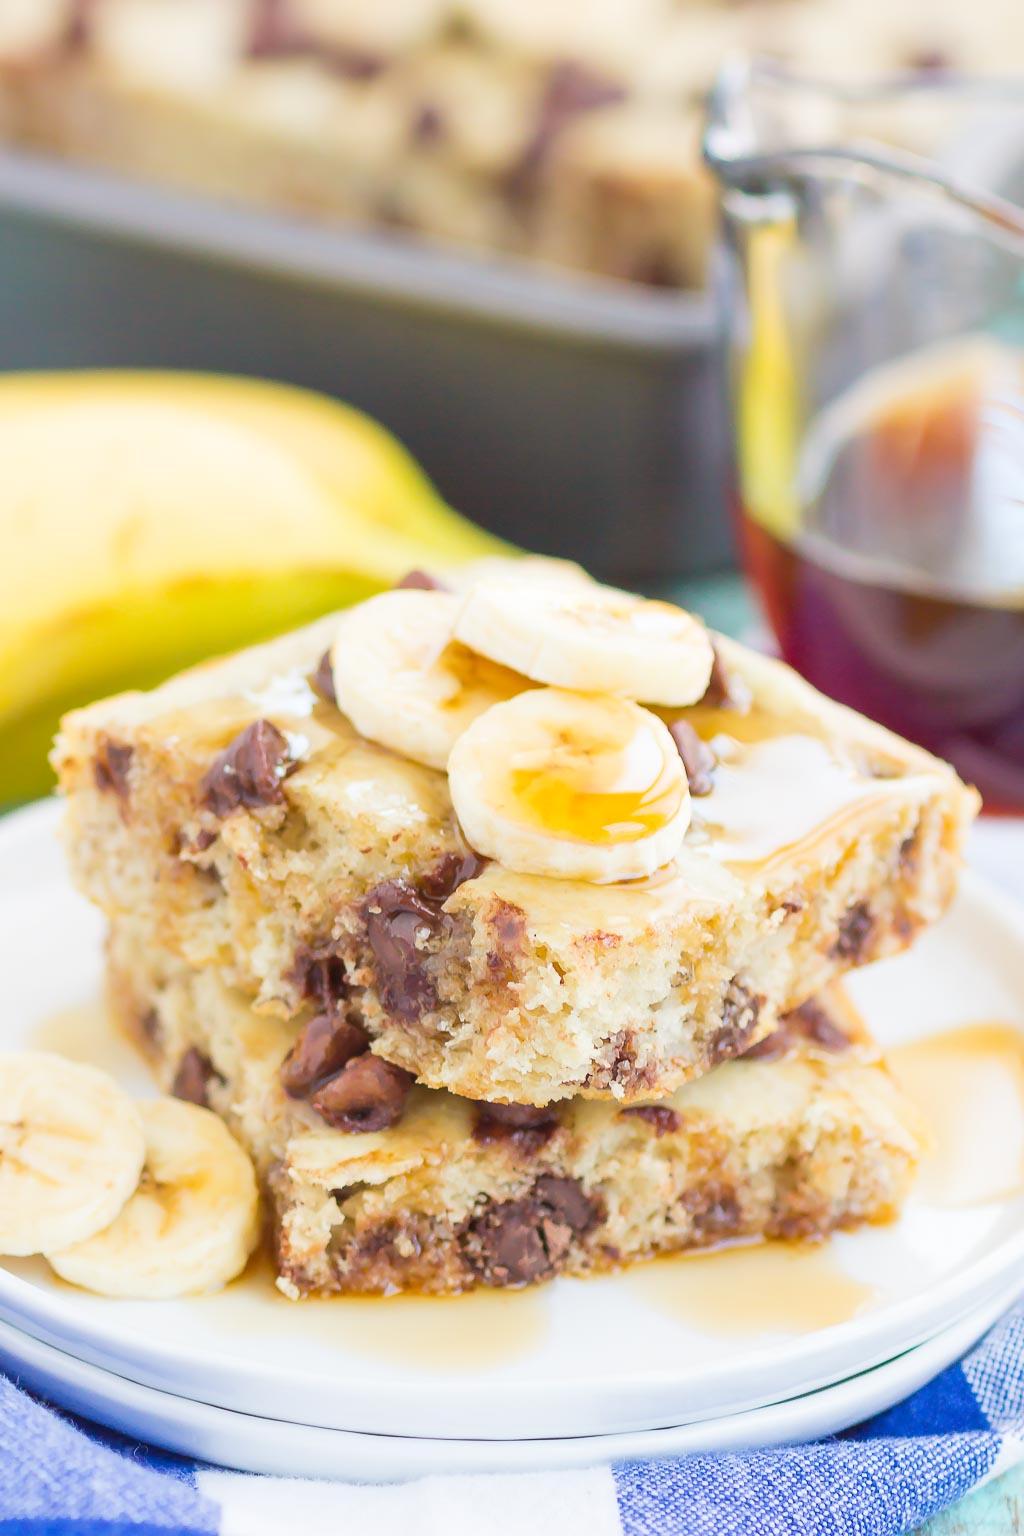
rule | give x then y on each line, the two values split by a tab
575	416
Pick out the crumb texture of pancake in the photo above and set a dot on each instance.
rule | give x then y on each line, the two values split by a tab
443	1194
238	815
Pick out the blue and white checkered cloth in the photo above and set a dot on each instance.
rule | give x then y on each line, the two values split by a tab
59	1477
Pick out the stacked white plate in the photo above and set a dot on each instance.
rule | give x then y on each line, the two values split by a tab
626	1366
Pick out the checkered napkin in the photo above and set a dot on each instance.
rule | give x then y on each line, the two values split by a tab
60	1477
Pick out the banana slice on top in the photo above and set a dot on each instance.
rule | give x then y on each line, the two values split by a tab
571	785
190	1225
71	1150
592	639
403	682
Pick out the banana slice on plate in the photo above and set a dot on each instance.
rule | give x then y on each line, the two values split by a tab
71	1150
571	785
402	681
190	1225
593	639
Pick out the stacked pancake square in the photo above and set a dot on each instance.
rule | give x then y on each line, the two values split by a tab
450	1072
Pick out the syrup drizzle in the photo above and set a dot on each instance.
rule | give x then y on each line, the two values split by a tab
753	1288
969	1085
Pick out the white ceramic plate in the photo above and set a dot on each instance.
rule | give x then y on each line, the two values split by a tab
252	1444
576	1357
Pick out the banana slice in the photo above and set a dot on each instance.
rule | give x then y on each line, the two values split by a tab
191	1224
402	681
71	1150
590	638
568	784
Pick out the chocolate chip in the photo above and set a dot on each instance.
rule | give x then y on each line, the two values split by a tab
513	1242
397	917
725	690
507	1246
420	581
322	680
570	90
78	24
368	1094
521	1125
699	760
351	63
150	1027
909	852
569	1202
110	768
193	1077
427	127
453	870
930	61
275	32
808	1022
324	1046
320	976
249	770
664	1119
740	1013
854	935
815	1022
715	1212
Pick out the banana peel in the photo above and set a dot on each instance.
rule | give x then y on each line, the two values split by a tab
152	519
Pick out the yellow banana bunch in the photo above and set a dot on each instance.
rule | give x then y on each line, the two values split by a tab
150	519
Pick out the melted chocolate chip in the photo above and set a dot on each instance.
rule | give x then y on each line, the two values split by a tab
420	581
193	1077
809	1022
368	1094
740	1013
397	918
854	934
319	973
322	680
453	870
715	1212
110	768
699	760
325	1045
724	690
513	1242
521	1125
663	1117
249	770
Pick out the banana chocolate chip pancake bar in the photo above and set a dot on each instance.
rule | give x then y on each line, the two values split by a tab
540	838
376	1184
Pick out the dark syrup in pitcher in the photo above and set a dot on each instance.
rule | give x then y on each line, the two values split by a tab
901	590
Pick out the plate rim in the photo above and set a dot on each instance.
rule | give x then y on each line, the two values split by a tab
847	1402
